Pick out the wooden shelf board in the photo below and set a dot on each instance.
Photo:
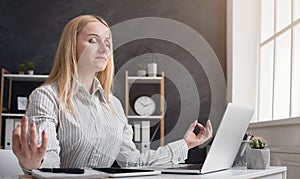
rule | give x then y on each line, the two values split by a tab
146	79
144	117
17	77
12	114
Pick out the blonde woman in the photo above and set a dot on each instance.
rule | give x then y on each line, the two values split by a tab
75	121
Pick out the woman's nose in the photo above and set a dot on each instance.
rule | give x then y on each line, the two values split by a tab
101	47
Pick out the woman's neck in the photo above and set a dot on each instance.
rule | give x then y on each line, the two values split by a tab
87	80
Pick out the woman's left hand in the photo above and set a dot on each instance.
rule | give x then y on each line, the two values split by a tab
194	140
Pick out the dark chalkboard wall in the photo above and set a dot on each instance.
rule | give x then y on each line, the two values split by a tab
30	31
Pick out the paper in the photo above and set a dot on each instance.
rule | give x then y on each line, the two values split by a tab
88	173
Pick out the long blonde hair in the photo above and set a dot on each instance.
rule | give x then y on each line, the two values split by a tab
64	70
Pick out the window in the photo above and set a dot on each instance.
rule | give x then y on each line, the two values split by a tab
279	60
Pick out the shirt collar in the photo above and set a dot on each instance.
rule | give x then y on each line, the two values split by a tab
97	87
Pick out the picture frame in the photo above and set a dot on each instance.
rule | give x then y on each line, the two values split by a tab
22	103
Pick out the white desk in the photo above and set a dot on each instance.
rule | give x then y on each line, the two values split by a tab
235	173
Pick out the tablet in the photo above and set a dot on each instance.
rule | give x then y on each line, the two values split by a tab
126	172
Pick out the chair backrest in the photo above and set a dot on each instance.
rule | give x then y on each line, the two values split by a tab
9	164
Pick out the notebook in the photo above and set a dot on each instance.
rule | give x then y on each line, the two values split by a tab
97	173
88	173
225	145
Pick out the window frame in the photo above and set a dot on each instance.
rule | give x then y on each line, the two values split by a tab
276	35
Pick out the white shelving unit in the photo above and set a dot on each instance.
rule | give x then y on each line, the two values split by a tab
130	80
144	117
12	115
144	80
17	77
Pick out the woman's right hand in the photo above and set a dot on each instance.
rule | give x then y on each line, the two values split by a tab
29	153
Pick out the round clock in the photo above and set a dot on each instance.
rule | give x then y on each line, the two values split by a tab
144	106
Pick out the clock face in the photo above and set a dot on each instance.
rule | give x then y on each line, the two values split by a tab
144	106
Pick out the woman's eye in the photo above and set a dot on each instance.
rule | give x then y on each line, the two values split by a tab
107	43
93	40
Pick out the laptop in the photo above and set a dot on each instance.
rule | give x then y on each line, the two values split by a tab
9	165
225	145
93	173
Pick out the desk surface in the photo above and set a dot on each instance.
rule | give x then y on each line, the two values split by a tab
233	173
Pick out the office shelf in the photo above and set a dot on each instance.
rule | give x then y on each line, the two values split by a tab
12	115
6	110
158	80
144	117
33	78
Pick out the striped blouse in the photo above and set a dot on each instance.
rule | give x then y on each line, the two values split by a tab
92	135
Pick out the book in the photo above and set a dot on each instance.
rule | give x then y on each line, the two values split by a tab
88	173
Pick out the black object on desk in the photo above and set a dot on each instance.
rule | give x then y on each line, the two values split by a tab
127	172
63	170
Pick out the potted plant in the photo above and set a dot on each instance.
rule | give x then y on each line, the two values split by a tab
21	68
141	70
152	67
258	157
30	68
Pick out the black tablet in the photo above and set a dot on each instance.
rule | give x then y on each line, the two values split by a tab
127	172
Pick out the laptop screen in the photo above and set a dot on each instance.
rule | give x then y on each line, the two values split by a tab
228	138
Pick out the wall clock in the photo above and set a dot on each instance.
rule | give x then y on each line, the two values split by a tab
144	106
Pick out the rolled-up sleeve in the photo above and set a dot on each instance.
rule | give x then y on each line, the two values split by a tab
43	110
175	152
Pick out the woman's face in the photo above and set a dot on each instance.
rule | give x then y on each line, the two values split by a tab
93	47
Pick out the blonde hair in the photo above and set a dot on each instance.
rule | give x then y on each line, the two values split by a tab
64	70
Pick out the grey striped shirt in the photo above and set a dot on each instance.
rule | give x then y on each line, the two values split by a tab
92	136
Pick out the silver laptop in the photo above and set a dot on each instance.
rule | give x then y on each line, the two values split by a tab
225	145
9	165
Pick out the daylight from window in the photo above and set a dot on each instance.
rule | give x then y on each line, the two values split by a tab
279	60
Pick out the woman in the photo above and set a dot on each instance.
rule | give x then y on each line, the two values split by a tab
80	122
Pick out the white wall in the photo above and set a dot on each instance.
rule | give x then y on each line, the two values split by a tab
283	136
242	51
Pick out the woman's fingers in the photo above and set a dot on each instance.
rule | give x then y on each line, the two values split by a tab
193	125
209	127
204	134
33	137
44	144
16	142
29	153
202	130
24	132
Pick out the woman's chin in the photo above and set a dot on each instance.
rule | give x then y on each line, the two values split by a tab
100	69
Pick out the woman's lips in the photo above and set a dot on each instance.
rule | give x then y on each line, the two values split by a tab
101	58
